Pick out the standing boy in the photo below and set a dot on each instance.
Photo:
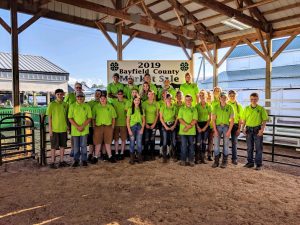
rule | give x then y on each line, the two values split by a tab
254	122
57	118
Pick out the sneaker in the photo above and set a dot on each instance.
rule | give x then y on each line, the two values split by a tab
182	163
249	165
121	156
104	157
117	157
61	164
112	159
209	158
52	166
75	164
234	162
84	164
191	164
94	160
258	168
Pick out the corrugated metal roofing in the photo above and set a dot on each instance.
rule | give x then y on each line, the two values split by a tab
245	50
30	63
292	71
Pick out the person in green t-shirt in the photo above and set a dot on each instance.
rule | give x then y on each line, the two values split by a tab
187	117
254	120
104	116
215	101
114	87
179	102
134	93
151	109
204	117
190	88
167	87
57	119
120	127
147	78
128	88
168	118
144	91
80	115
236	129
135	124
222	121
90	141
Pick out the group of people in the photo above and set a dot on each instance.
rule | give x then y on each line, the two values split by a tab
191	124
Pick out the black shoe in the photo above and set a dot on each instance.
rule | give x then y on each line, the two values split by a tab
52	166
258	167
84	163
94	160
249	165
209	158
112	159
121	156
104	157
234	162
63	164
75	164
90	158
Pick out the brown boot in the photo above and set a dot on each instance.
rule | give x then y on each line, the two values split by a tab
131	161
139	157
197	155
216	162
202	158
224	162
164	150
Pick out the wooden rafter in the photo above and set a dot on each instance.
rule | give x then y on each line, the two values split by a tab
33	19
228	52
5	25
130	39
230	12
199	26
184	49
136	19
263	2
284	45
178	17
205	56
261	41
106	35
254	48
208	51
255	11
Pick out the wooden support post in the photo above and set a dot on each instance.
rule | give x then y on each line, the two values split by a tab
268	71
34	98
215	66
48	98
192	63
15	56
119	5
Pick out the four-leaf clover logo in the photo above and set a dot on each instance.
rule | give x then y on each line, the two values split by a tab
184	66
114	66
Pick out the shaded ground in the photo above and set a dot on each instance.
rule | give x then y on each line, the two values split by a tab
149	193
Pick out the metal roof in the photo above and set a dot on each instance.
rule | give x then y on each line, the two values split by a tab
287	72
30	63
245	50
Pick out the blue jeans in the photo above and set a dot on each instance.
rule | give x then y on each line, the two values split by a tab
234	140
202	137
169	137
253	139
149	141
187	147
80	148
136	137
221	131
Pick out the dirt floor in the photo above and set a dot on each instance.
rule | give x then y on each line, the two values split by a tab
148	193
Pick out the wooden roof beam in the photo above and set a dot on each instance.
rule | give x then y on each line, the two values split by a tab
255	11
137	19
230	12
264	2
284	45
254	48
33	19
200	26
5	25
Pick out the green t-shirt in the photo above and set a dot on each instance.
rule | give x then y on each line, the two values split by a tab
237	109
170	90
58	112
136	117
223	114
92	103
254	116
113	88
151	110
169	113
178	106
79	113
191	89
203	112
128	104
128	89
187	114
70	98
120	107
104	114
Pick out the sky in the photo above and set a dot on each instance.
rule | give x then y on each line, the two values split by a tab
84	52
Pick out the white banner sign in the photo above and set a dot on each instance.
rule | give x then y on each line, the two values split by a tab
173	70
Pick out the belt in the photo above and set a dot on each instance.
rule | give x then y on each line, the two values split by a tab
222	125
170	123
259	126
